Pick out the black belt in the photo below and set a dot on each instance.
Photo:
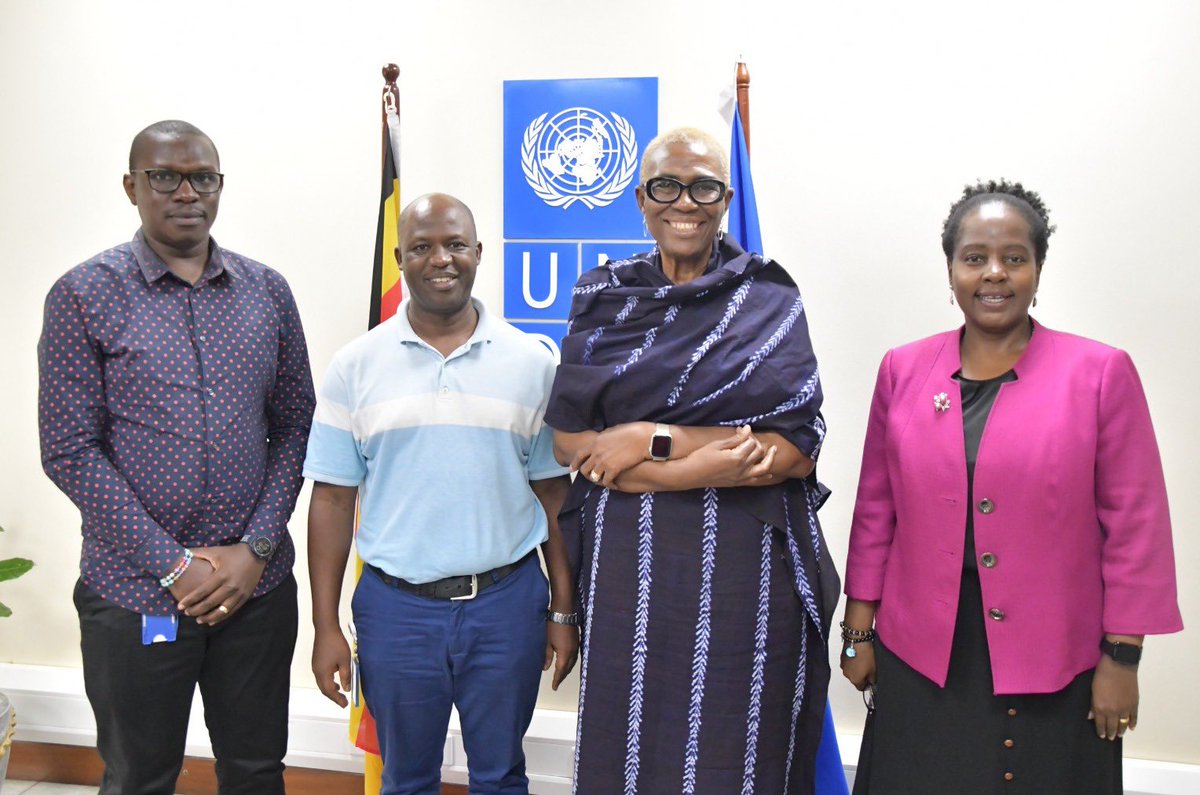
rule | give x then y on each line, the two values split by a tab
462	587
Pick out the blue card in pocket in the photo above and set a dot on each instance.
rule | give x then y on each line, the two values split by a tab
159	629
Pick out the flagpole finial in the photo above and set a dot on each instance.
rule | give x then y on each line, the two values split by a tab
391	72
743	99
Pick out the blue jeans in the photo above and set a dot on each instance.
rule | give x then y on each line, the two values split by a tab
419	656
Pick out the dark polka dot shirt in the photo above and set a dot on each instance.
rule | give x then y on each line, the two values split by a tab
173	415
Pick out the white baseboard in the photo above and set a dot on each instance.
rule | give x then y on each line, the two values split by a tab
51	708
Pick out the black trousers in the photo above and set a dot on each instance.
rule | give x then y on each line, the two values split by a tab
141	695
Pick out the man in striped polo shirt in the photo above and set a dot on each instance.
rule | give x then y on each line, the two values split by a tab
433	421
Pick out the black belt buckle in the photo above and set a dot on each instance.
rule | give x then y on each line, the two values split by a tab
474	591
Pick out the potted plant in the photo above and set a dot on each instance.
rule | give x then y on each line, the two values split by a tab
10	569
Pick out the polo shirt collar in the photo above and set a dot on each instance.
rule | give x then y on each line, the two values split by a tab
485	329
153	268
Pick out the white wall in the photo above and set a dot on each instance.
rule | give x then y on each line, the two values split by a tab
867	119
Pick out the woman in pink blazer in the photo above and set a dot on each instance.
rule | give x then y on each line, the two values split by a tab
1011	544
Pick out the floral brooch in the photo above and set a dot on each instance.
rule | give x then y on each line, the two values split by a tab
941	401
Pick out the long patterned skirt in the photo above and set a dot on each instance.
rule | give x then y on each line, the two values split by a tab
703	669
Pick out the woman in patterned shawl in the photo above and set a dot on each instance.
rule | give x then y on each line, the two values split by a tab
687	400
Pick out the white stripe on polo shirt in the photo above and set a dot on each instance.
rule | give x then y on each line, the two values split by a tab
453	408
442	448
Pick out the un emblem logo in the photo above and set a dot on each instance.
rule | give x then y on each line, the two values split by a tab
579	155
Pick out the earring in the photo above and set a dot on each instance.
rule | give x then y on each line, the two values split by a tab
645	229
951	298
1035	300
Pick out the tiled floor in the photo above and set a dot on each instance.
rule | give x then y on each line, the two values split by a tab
45	788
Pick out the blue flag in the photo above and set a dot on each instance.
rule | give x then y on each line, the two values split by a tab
743	211
743	225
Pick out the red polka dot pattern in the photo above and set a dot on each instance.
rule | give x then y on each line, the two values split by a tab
172	415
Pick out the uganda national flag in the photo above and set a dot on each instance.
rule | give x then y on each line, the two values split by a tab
386	294
386	285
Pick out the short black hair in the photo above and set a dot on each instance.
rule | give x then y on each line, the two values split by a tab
168	128
1014	194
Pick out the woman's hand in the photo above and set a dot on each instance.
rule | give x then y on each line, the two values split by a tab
859	618
613	451
1114	698
737	460
860	669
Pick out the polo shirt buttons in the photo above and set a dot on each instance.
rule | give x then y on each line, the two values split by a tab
1009	743
987	560
444	393
997	614
1012	713
1008	776
986	505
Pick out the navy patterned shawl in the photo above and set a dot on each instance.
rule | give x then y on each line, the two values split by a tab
728	348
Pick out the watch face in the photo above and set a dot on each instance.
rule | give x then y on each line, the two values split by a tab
660	447
261	547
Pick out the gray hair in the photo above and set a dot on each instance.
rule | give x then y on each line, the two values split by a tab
688	136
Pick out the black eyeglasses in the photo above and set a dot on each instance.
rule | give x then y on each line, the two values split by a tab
666	190
165	180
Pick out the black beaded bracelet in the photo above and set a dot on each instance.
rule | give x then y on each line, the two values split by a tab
850	635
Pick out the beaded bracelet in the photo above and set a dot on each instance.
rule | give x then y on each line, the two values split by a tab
178	571
851	635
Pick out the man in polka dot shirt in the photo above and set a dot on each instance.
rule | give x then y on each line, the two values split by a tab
174	407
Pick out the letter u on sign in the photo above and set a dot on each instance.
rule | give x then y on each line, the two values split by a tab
526	292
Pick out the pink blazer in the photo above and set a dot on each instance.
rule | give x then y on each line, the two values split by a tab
1076	513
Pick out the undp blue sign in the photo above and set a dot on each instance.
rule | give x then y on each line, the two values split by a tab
572	149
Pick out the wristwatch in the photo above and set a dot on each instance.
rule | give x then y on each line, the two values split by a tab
1123	653
661	442
261	546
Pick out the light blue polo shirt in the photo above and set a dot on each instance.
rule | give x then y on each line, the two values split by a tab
441	448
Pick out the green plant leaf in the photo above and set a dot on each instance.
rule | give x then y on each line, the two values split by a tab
4	611
11	568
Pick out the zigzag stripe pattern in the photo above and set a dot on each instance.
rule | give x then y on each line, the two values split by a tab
708	561
598	521
810	496
762	353
621	317
668	318
641	621
590	344
797	704
760	660
735	303
588	289
802	584
799	399
818	426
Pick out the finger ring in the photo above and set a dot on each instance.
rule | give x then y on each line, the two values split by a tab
1122	721
595	476
224	610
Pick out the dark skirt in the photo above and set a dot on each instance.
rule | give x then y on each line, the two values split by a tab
925	739
702	672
